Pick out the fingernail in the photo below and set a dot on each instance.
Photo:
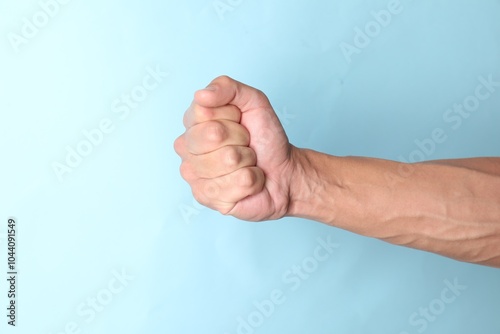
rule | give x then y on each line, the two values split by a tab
211	88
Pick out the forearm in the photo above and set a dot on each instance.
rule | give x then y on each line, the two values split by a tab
449	207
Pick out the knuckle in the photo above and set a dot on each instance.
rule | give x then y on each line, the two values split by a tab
205	192
232	157
245	136
235	112
224	80
211	190
215	132
178	145
198	196
247	178
252	156
186	171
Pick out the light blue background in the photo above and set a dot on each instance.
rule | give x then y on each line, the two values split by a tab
126	209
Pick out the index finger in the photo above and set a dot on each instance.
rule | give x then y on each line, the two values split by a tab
198	114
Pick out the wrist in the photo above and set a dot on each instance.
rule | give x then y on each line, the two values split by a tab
313	186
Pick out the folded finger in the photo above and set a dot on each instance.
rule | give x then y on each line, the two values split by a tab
198	114
224	192
220	162
212	135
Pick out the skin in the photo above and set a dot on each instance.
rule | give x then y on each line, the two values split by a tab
238	160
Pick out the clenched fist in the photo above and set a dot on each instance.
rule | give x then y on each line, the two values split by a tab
235	154
237	159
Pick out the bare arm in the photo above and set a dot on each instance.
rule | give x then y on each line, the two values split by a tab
449	207
238	160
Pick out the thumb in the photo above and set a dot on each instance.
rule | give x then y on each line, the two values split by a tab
225	90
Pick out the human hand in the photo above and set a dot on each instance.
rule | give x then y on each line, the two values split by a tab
235	154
